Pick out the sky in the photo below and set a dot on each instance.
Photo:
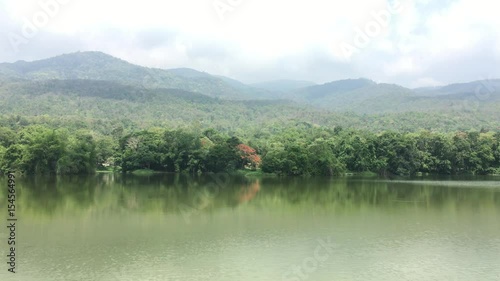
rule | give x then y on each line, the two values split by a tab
412	43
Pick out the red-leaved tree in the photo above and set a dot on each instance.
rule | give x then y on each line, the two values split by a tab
250	157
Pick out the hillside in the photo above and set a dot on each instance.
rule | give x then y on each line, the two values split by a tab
108	101
100	66
362	95
367	97
103	105
479	88
90	86
283	86
313	93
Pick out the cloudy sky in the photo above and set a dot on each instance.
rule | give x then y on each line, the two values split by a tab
412	43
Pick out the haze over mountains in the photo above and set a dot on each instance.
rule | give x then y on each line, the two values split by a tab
351	94
105	79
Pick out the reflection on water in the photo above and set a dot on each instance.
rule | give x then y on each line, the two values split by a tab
179	227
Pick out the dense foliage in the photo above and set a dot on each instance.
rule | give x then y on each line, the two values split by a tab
40	150
296	150
81	112
102	105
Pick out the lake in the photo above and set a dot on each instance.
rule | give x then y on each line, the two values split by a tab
114	227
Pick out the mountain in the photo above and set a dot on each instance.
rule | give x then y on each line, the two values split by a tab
249	91
367	97
283	86
351	95
88	74
103	106
333	88
424	90
112	102
373	98
100	66
481	88
189	73
80	65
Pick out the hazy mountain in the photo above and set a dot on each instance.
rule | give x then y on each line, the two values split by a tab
80	65
366	96
249	91
283	86
245	91
352	95
355	95
189	73
480	88
369	99
100	66
104	105
327	90
425	90
97	102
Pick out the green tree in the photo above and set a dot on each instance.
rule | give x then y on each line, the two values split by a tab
80	156
41	149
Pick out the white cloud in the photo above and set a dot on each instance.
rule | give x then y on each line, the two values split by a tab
277	38
404	65
426	82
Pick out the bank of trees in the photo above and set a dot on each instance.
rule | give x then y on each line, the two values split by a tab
384	153
40	150
184	151
296	150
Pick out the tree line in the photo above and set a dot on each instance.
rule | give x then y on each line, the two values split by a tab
303	149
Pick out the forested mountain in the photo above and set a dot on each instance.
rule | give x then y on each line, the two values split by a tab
95	86
367	97
362	95
479	88
100	66
102	106
333	88
78	112
283	86
189	73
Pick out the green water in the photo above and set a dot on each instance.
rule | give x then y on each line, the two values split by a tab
172	227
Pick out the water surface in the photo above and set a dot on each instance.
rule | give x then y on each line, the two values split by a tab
173	227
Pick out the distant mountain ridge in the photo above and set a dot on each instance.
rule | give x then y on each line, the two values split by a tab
100	66
283	86
335	87
355	95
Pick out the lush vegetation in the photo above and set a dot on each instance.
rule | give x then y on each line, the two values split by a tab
99	93
102	106
297	150
325	152
83	112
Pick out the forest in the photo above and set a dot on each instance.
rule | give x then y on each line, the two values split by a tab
85	112
299	150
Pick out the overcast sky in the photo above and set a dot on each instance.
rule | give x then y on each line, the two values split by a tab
412	43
